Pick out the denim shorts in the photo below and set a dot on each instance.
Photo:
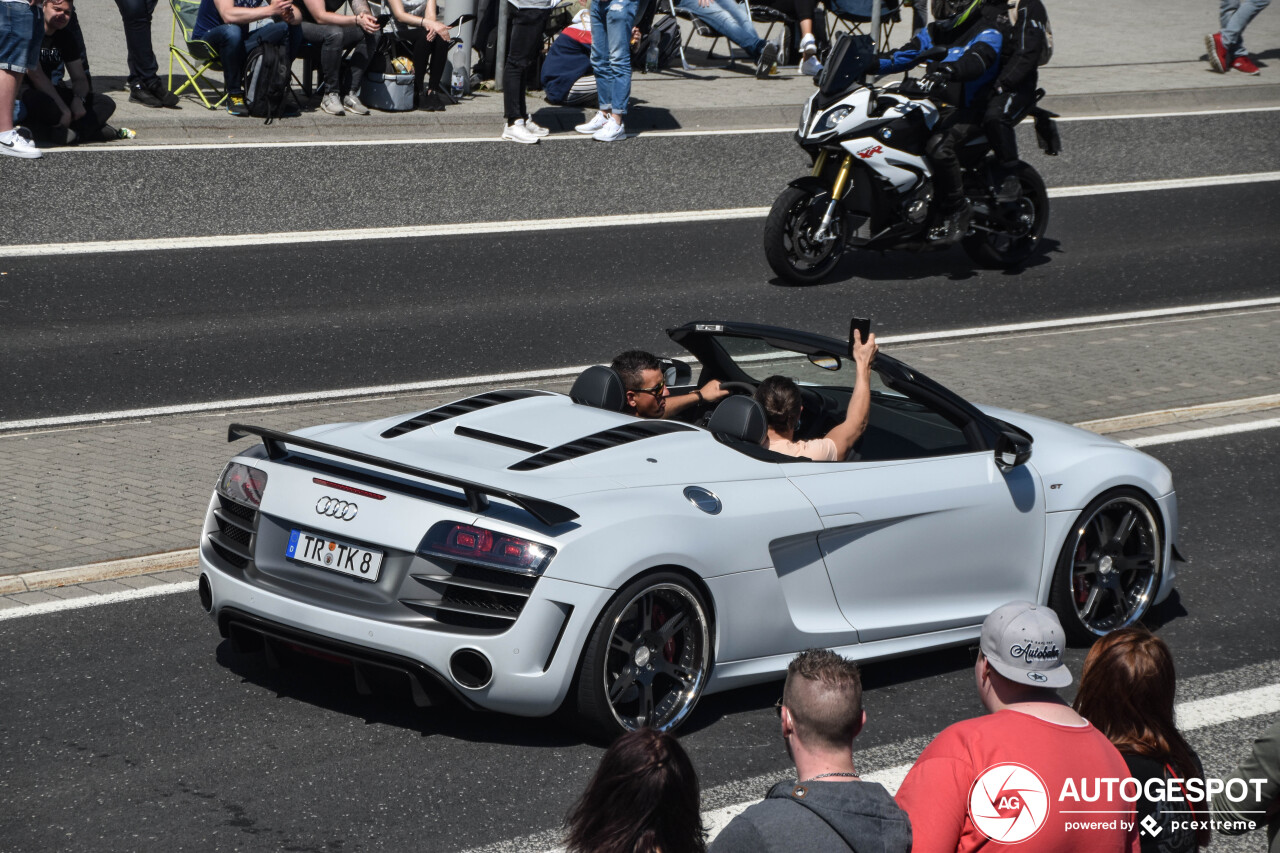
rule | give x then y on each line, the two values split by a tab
21	32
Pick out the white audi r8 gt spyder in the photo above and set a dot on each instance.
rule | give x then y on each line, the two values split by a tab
522	549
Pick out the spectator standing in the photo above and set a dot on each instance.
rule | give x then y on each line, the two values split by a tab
21	33
65	114
611	24
236	27
829	808
1126	692
1226	47
145	86
416	22
733	21
528	23
1264	800
335	34
1018	671
643	798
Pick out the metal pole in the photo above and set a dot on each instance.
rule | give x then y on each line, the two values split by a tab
500	56
875	25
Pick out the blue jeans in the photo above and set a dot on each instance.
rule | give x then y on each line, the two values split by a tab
1235	15
234	42
21	34
731	20
611	23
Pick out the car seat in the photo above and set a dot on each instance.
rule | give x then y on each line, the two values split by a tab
600	387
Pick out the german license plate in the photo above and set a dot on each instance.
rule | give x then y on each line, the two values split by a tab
334	554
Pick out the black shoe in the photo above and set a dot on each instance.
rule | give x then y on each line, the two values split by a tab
58	135
431	102
954	226
141	93
768	58
236	105
157	88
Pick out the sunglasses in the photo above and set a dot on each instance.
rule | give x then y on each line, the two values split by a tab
974	653
777	707
656	390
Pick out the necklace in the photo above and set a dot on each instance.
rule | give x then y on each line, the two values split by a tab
826	775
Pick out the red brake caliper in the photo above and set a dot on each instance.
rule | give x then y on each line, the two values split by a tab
660	617
1079	588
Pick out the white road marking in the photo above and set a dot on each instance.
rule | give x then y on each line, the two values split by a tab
560	372
471	229
555	137
96	600
1204	432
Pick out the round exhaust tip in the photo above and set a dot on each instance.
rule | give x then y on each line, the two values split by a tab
206	593
470	669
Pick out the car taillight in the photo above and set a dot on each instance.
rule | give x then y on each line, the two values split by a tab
242	484
486	547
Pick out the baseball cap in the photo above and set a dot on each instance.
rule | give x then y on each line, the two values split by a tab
1025	642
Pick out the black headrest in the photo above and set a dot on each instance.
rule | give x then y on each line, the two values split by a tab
601	387
739	417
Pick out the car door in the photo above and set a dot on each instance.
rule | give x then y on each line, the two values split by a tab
934	539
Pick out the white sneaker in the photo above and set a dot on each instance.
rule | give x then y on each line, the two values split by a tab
519	133
332	104
808	46
597	122
809	63
535	128
810	66
14	144
611	132
353	105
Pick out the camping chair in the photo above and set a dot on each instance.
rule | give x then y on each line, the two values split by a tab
774	17
703	29
857	25
195	57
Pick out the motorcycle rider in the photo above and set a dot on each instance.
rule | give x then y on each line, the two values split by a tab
967	30
1024	28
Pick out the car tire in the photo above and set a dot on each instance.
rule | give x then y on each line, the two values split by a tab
1110	566
648	657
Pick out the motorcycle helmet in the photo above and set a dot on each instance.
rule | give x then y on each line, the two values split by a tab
941	10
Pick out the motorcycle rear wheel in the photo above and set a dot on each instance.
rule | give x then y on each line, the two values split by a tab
1009	248
788	235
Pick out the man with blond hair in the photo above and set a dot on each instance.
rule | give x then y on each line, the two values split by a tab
828	808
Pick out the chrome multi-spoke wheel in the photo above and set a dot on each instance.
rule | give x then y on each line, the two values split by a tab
1110	566
648	658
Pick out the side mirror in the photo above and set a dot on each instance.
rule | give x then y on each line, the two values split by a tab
1012	450
825	361
676	373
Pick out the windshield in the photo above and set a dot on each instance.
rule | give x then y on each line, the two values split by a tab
760	359
850	59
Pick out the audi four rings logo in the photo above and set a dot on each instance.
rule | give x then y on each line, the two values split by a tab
334	508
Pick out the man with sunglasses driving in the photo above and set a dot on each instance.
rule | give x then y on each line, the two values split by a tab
647	392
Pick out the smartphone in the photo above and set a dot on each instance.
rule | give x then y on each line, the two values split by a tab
861	324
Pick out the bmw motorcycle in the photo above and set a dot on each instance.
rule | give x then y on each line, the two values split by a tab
871	186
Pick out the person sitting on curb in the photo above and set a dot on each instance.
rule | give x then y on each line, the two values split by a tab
335	34
236	27
58	113
647	394
829	807
780	399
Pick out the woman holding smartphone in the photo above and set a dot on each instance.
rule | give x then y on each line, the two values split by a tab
416	22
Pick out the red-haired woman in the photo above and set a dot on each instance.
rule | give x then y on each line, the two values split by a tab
1126	692
642	799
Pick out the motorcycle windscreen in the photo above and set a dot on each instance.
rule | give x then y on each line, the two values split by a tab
850	60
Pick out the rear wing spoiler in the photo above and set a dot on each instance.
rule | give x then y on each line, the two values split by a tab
477	495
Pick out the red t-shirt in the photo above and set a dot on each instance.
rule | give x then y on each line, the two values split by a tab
970	762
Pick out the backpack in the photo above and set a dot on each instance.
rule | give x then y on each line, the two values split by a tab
1046	50
667	33
266	81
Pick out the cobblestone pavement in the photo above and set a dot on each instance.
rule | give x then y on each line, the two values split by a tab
75	496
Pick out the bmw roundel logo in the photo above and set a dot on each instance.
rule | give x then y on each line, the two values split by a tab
334	508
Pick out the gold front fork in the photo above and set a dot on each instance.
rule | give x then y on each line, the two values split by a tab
820	163
842	179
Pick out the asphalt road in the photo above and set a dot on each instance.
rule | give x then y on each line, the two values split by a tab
131	726
189	326
114	195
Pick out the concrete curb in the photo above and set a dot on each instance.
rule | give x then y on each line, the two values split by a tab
187	559
195	125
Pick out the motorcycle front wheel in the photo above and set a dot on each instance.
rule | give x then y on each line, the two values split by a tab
1017	226
789	245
